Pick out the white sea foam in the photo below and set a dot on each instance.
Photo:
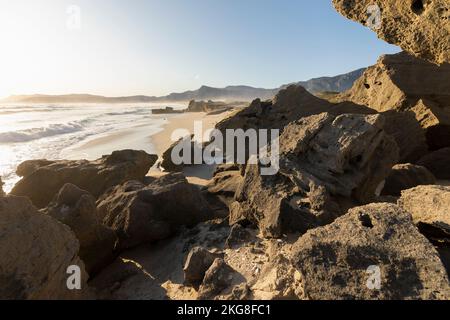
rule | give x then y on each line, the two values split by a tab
38	133
57	131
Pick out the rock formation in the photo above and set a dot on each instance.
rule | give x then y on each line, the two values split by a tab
140	213
373	252
403	83
420	27
76	208
35	254
41	183
406	176
428	205
198	261
327	164
289	104
438	163
217	278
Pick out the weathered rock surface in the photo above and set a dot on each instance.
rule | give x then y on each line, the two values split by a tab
238	236
224	185
343	260
76	208
420	27
403	83
217	278
140	213
279	280
327	164
28	167
197	263
438	163
435	119
428	205
407	133
289	104
406	176
35	252
95	177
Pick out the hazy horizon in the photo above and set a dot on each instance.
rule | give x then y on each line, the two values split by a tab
153	48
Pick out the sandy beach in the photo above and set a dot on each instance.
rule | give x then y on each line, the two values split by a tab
162	140
155	143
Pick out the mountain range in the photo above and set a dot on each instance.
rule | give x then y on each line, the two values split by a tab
338	83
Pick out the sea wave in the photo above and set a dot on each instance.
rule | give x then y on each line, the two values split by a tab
42	132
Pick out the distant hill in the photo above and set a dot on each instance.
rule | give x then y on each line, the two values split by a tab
231	93
339	83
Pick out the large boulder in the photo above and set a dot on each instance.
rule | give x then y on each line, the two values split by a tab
373	252
35	254
406	176
140	213
76	208
438	162
403	83
420	27
327	164
42	183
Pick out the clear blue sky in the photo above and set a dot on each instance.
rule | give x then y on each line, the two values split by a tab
155	47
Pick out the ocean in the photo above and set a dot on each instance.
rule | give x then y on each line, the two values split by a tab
75	131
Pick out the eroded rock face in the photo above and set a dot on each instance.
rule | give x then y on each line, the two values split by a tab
140	213
401	82
438	163
76	208
406	176
217	278
42	184
420	27
407	133
327	164
197	263
428	205
289	104
341	260
35	252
